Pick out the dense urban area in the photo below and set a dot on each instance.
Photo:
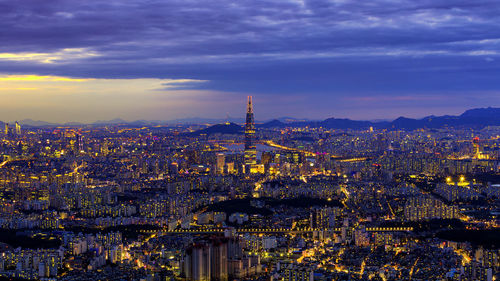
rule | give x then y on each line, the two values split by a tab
266	201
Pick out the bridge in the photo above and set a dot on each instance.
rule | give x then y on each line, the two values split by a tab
282	147
271	230
14	160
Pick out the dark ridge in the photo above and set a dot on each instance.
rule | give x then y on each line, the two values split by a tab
226	128
488	238
272	124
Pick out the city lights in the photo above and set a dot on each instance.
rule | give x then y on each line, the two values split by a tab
249	140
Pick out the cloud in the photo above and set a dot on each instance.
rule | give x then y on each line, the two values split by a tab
38	78
99	85
168	84
320	48
60	98
159	30
62	56
382	98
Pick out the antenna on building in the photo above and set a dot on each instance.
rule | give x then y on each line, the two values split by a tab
249	108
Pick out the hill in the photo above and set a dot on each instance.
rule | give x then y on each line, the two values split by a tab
225	128
272	124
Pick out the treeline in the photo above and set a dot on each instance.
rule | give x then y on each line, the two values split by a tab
26	240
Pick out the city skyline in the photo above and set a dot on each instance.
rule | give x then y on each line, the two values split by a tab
233	119
252	140
252	203
309	59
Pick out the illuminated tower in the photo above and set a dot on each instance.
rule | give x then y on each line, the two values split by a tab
221	159
78	144
250	148
478	150
6	129
18	129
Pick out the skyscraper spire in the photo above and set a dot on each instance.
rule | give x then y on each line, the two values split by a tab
250	107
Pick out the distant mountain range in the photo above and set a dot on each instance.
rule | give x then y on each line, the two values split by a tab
140	123
474	118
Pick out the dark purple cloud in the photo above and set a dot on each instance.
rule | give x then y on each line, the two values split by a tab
328	50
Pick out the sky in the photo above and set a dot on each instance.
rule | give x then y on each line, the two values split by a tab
71	60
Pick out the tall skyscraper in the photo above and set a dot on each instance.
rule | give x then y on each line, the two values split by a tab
250	147
220	163
18	129
6	129
79	142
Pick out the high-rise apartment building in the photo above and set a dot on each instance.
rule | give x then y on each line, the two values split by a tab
221	162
